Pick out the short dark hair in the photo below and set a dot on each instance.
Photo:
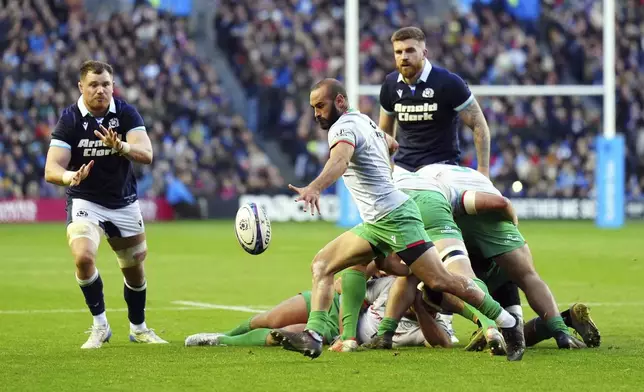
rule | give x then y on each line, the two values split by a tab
95	66
334	86
408	33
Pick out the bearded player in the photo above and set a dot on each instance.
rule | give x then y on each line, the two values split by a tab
95	163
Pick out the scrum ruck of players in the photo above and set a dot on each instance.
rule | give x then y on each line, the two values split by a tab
360	152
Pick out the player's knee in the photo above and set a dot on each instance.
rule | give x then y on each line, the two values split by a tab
84	259
132	256
319	266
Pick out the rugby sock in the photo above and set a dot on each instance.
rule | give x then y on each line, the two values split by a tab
535	331
556	324
354	289
470	313
92	289
240	329
317	322
387	325
135	299
481	285
256	337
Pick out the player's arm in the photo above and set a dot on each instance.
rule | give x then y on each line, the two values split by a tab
335	167
469	111
140	147
56	167
474	203
433	333
473	117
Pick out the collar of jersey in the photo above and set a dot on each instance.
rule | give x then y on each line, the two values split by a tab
85	112
427	68
350	110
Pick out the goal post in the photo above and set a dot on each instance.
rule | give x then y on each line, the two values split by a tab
609	148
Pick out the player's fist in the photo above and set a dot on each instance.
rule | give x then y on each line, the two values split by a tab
81	173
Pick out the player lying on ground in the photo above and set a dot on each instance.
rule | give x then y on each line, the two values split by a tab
96	166
420	327
392	223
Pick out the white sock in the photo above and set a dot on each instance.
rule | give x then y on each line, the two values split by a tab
138	327
505	320
516	310
100	319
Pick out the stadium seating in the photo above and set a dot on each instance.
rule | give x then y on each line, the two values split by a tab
279	48
199	145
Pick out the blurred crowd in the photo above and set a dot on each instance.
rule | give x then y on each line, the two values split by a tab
279	48
200	146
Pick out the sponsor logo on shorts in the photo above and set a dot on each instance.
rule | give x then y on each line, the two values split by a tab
82	214
393	239
512	238
448	230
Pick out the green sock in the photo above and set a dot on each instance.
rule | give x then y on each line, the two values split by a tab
556	324
354	289
240	329
318	320
387	324
481	285
536	330
490	308
470	313
256	337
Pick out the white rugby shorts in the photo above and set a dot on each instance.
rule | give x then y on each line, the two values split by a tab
122	222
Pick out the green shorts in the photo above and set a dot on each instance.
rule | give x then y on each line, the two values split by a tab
436	213
332	329
400	229
490	233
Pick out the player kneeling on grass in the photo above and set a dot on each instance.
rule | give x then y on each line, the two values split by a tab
361	153
96	166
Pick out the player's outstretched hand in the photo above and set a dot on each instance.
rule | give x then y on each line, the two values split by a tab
109	138
310	197
81	173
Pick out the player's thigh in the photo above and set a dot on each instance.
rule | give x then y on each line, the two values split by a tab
454	256
83	229
400	230
294	310
517	263
492	235
124	227
350	248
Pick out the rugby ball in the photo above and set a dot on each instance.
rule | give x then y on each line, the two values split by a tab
253	228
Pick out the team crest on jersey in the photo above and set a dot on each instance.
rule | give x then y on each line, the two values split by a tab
428	93
114	122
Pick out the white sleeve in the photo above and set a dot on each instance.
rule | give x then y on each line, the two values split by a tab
343	133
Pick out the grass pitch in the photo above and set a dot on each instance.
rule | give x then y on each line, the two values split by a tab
197	271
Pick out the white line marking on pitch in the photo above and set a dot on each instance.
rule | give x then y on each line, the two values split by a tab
190	305
205	305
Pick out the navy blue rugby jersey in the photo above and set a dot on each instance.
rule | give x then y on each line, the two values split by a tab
427	115
111	182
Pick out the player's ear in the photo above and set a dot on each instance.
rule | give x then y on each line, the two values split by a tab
425	52
80	87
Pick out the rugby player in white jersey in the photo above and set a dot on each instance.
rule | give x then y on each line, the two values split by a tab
360	152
